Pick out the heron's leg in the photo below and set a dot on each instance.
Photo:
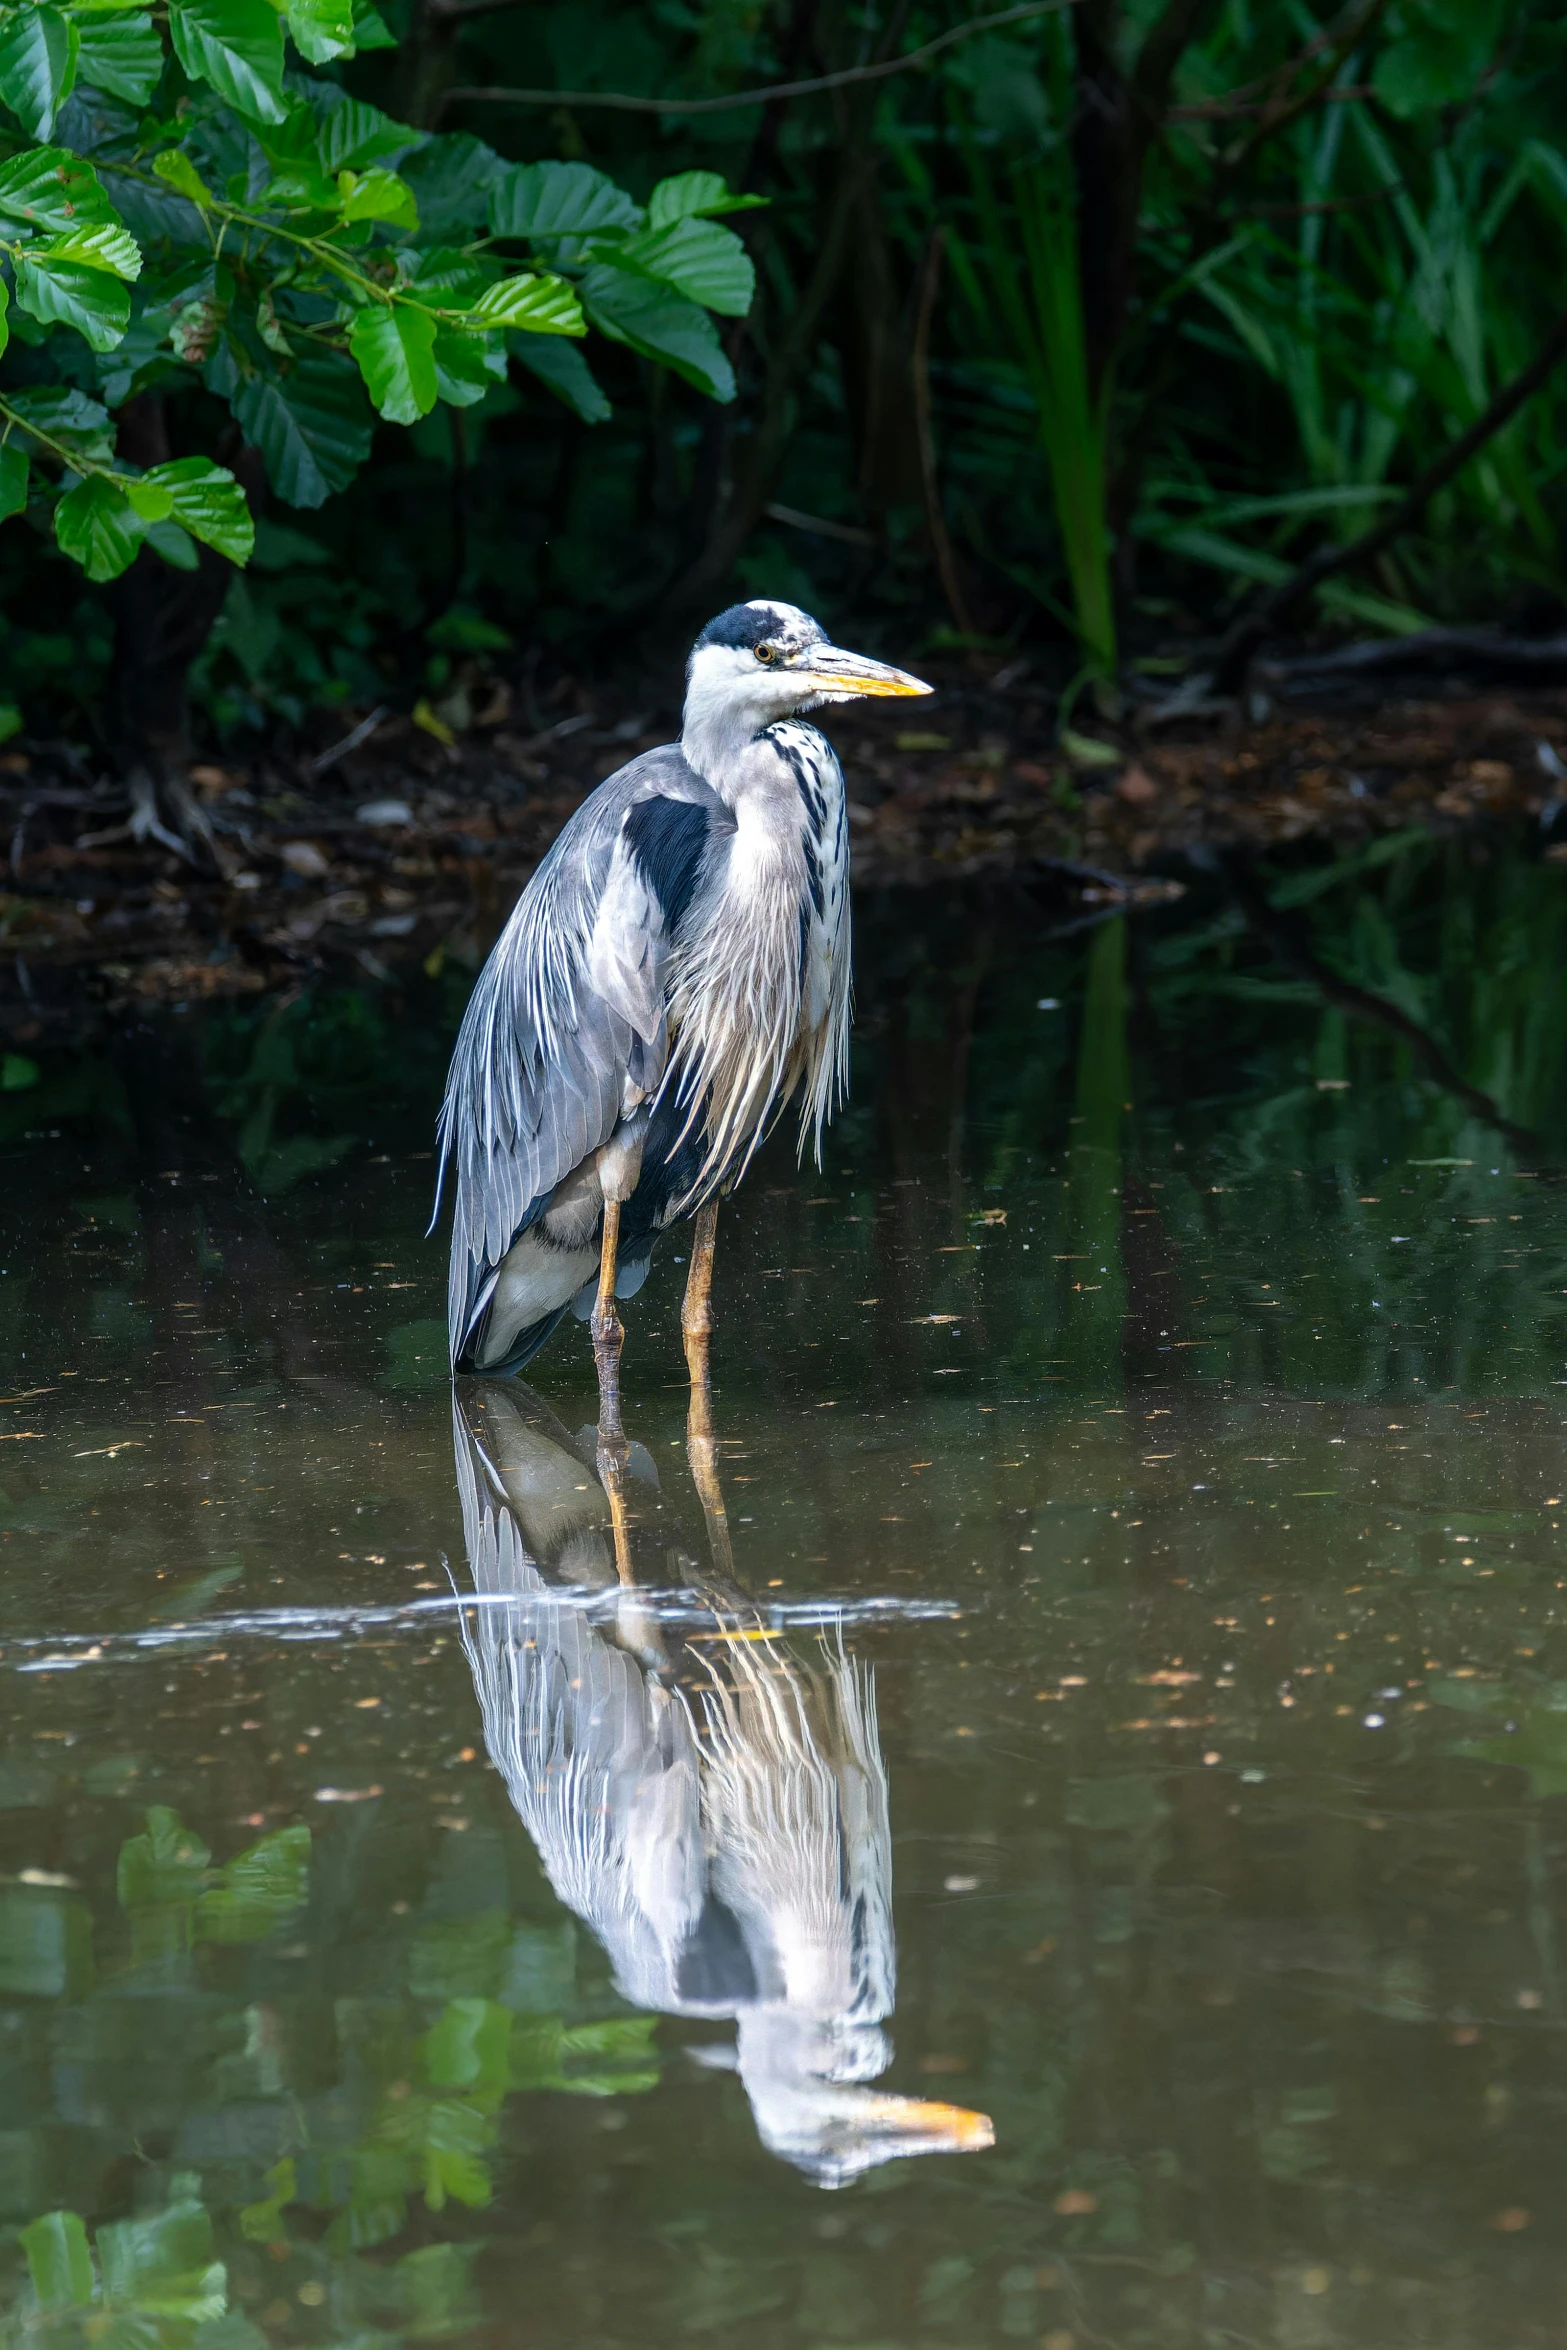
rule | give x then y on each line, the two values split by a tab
608	1337
696	1328
696	1313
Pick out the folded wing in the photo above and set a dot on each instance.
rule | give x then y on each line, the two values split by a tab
565	1030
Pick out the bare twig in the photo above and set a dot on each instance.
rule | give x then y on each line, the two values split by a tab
1235	654
350	742
1229	109
819	526
624	102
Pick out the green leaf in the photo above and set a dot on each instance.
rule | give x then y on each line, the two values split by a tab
692	195
467	366
209	503
181	174
706	263
322	29
66	416
377	195
371	30
313	428
237	47
393	349
1444	50
352	135
120	54
72	293
660	325
14	470
97	525
562	367
151	501
173	546
556	200
451	178
37	65
540	305
446	277
112	249
301	188
58	2260
50	189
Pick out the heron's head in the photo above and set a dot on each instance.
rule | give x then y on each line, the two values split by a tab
762	661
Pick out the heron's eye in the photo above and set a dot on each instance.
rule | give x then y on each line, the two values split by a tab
767	652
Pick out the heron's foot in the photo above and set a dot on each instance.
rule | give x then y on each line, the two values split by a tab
608	1338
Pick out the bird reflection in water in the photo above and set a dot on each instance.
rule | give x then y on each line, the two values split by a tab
713	1806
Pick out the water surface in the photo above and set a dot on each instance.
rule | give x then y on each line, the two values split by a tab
1136	1713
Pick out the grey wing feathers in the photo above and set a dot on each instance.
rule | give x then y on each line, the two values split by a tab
568	1009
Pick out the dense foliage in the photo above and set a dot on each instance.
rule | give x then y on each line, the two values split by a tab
1100	316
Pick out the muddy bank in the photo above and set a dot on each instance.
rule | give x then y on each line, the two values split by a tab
384	842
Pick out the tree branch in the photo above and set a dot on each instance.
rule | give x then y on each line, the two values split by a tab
1235	654
625	103
1290	937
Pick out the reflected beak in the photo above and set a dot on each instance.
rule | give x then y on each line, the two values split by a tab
842	677
928	2127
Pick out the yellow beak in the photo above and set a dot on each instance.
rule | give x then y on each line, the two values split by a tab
845	676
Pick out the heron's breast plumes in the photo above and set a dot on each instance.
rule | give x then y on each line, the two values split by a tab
758	1000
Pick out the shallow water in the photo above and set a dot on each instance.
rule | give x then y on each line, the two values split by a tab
1143	1460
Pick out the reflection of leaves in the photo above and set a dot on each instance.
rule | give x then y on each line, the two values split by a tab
164	2264
45	1943
1123	1804
609	2059
258	1890
467	2049
435	2288
164	1881
157	1879
59	2260
1538	1744
159	2279
460	1958
1289	2150
262	2222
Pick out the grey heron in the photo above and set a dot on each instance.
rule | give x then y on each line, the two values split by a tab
675	970
714	1809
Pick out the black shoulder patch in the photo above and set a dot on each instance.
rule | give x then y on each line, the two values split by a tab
667	838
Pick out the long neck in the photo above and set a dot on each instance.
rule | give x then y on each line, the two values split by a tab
720	727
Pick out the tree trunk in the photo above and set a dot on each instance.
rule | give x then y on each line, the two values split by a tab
162	619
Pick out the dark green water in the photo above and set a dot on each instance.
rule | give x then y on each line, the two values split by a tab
1143	1454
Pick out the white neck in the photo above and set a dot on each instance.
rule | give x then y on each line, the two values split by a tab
730	700
714	737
